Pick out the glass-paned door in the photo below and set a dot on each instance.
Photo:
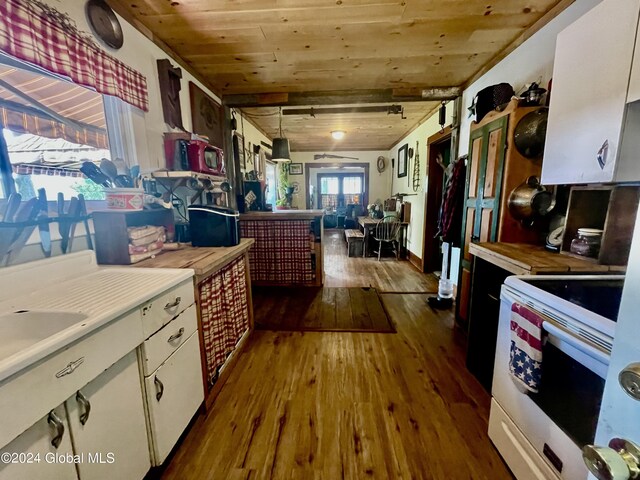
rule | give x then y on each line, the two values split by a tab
340	190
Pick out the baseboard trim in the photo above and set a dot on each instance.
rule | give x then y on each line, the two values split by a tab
415	260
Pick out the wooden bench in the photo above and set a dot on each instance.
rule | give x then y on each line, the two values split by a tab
355	242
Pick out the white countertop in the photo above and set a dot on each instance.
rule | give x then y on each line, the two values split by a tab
76	285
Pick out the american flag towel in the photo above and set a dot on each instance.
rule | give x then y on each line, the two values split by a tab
525	359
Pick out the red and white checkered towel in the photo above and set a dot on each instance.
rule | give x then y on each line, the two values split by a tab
525	359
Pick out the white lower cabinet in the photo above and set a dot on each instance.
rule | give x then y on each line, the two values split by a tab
33	456
174	393
100	431
106	419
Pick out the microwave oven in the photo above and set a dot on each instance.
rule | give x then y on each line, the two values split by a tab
205	158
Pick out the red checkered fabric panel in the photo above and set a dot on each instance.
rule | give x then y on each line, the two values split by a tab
225	313
281	252
29	34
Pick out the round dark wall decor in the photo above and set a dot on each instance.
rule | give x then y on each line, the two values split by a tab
381	164
104	23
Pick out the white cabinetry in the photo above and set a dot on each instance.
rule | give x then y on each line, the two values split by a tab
106	419
173	381
588	98
101	429
33	454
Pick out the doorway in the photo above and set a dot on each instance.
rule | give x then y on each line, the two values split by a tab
337	190
438	158
353	191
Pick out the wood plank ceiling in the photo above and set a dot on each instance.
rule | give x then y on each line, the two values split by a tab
264	46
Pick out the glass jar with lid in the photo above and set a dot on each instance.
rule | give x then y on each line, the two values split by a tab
587	242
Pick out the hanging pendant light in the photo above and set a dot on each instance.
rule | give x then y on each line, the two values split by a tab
280	152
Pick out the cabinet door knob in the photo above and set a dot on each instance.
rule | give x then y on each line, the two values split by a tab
159	388
85	407
173	304
55	421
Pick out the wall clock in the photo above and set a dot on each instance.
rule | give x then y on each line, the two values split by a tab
104	23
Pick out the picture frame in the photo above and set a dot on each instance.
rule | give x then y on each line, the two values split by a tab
402	160
295	169
207	116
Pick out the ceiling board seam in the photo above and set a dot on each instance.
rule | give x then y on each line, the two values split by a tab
557	9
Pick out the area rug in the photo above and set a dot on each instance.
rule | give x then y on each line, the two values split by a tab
320	309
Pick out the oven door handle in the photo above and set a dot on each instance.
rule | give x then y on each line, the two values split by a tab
583	345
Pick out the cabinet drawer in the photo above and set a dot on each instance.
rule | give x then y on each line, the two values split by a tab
174	392
159	311
157	348
30	394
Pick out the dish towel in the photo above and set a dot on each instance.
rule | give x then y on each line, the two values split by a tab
525	359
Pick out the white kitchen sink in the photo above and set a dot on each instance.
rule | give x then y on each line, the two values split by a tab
24	328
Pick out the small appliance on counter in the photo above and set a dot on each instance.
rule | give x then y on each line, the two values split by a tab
213	226
184	151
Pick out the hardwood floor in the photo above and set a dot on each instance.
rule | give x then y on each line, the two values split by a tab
335	405
321	309
388	275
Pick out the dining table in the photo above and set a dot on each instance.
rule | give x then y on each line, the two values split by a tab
368	225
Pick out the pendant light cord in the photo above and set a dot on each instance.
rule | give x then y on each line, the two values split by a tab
280	118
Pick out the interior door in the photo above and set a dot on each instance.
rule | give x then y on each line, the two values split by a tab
484	186
620	412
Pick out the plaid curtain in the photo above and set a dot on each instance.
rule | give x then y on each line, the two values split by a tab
29	34
225	313
281	253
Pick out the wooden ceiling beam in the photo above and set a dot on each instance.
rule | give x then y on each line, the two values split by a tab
345	97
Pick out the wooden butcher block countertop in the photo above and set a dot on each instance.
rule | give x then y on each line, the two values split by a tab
282	215
204	260
524	259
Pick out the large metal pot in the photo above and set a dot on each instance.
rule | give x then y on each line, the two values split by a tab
530	133
530	200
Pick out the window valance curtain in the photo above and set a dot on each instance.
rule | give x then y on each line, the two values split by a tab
28	32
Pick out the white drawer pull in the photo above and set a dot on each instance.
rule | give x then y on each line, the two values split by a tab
70	368
176	336
174	304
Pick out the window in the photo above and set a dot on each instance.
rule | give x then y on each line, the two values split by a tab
272	186
50	126
339	190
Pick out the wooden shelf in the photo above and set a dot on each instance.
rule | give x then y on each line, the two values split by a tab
525	259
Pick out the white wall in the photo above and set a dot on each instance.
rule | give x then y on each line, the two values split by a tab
141	54
405	184
530	62
379	183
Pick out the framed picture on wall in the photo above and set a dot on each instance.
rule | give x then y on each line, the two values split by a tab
402	160
295	169
207	115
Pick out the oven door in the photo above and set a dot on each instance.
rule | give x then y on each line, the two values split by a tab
572	383
557	420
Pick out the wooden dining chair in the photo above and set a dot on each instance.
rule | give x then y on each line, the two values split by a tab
387	231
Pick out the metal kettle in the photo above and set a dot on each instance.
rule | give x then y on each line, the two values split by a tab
530	200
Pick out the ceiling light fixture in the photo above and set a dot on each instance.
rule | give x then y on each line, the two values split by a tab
338	134
280	152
